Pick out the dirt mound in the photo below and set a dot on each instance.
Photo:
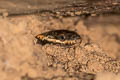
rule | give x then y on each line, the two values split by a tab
21	58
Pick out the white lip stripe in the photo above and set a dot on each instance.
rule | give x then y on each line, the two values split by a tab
58	41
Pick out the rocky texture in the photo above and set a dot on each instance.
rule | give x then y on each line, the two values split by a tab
19	55
59	8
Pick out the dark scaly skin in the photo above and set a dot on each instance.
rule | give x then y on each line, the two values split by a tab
64	37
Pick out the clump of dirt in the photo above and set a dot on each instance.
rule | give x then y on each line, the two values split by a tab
20	57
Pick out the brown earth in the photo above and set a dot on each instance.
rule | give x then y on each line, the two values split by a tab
21	59
97	57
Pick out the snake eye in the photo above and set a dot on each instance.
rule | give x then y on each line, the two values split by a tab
62	37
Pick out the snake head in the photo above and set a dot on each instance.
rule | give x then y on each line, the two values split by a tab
58	37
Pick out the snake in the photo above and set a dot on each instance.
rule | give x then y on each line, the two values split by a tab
65	37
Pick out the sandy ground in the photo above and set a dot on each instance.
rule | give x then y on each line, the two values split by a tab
20	57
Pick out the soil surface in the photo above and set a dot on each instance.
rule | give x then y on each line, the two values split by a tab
22	59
